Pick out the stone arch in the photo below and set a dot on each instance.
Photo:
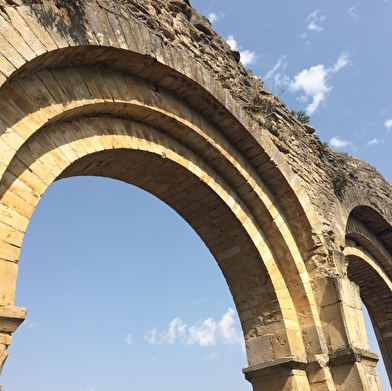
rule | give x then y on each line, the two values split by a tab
71	119
368	237
96	90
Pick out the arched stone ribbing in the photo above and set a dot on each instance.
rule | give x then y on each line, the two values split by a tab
135	98
94	90
369	266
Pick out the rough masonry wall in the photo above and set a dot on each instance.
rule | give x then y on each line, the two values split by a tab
176	23
315	165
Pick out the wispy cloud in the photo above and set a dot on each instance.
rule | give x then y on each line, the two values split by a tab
247	57
313	82
337	142
314	21
150	337
388	124
206	333
277	69
372	142
128	339
342	61
353	12
175	330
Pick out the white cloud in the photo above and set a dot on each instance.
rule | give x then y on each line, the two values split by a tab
206	333
232	42
228	333
337	142
213	17
353	13
150	337
313	82
373	142
176	329
128	339
203	334
313	26
342	61
279	66
247	57
388	124
314	21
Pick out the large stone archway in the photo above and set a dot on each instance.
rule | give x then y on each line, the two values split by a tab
94	90
369	265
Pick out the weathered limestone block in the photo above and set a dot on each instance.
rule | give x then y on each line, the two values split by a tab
10	319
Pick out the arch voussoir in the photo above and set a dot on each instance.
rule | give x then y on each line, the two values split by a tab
75	124
147	140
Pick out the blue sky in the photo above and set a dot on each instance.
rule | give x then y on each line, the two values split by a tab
121	293
332	59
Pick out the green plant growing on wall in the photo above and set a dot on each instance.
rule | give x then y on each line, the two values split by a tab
322	146
264	108
339	183
256	107
301	116
269	122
